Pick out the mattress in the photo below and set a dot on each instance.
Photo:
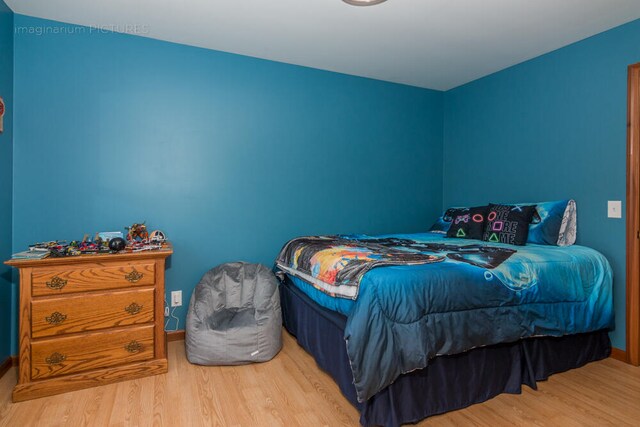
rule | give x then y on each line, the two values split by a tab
480	294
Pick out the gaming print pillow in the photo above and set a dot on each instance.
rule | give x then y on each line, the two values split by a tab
508	224
468	223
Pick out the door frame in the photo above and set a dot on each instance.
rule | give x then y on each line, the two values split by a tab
633	216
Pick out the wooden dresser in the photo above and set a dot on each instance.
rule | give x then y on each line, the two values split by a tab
90	320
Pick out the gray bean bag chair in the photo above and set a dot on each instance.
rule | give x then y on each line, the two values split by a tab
234	316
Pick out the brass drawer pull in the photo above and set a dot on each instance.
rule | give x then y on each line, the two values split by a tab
133	308
56	283
56	318
134	276
55	359
133	347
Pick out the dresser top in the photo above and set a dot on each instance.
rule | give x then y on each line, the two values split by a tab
166	250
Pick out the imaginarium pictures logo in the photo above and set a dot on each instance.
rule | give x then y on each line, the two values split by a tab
41	30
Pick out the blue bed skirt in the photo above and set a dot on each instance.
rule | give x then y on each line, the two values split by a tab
449	382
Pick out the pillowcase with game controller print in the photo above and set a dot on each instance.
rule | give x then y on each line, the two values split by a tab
468	223
508	224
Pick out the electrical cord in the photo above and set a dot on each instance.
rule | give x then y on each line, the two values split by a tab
177	320
171	315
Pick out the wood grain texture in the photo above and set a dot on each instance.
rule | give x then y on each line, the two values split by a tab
633	216
291	390
160	335
175	335
97	258
618	354
96	295
98	377
92	277
91	351
90	312
24	325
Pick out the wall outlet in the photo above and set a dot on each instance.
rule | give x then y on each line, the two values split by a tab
176	298
614	209
166	312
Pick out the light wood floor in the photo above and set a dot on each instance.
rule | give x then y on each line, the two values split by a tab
291	391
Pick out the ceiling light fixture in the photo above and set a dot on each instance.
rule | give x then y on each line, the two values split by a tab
363	2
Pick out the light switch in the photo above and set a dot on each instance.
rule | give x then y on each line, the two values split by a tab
614	209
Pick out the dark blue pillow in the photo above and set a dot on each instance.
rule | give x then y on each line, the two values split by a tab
547	225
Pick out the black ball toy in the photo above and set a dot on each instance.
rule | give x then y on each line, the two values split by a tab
117	244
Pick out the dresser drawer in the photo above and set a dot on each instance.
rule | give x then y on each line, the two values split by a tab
66	355
83	313
64	280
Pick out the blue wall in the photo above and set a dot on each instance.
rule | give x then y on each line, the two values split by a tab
550	128
7	308
230	156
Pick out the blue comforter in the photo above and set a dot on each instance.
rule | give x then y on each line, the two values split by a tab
406	315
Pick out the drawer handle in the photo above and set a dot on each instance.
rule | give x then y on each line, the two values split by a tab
56	283
134	276
56	318
55	359
133	347
133	308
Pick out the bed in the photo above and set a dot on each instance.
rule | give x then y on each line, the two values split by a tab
413	325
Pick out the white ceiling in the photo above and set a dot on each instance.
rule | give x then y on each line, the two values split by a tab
437	44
